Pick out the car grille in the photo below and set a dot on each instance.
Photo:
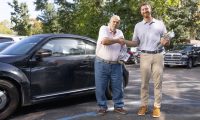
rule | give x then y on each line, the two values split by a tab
173	56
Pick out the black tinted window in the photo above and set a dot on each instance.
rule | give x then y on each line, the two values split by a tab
183	47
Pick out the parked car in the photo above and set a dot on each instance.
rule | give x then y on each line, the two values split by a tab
8	38
134	55
5	39
185	55
45	67
4	45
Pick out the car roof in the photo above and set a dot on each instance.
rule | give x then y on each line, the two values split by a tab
63	35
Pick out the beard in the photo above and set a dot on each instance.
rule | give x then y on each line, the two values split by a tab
146	14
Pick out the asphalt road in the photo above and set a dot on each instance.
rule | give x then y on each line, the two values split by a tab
181	100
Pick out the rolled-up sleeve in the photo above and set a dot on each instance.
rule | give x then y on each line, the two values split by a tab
102	33
135	34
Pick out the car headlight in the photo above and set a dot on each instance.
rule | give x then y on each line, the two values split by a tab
184	56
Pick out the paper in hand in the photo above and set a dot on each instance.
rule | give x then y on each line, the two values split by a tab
167	36
123	55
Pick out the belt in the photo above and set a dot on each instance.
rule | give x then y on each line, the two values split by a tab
107	61
151	52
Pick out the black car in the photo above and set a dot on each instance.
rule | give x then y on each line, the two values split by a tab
185	54
47	66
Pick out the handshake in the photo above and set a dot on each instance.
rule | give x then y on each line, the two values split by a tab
121	41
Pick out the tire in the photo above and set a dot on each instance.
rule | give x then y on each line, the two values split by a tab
9	97
190	63
167	65
195	63
109	90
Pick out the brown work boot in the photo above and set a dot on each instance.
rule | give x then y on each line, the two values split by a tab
120	110
142	110
156	112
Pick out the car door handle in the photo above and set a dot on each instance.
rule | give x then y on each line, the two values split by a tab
86	61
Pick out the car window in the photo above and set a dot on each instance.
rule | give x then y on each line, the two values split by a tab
196	48
90	47
4	39
183	47
4	45
65	46
23	46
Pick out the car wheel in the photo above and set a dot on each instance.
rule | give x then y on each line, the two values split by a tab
167	65
9	99
109	90
189	64
195	63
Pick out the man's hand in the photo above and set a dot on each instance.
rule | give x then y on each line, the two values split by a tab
121	41
164	42
110	41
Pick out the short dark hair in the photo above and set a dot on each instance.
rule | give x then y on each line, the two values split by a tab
144	3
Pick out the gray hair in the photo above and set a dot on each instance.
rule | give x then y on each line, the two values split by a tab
115	16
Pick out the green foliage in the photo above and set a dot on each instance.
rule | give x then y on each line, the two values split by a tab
66	16
85	17
128	12
183	19
20	18
4	29
88	17
36	27
49	18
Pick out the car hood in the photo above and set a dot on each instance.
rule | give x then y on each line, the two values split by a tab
176	51
10	58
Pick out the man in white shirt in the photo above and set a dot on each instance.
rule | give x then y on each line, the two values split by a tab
148	34
107	67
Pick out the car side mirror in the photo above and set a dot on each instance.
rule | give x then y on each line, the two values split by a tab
43	53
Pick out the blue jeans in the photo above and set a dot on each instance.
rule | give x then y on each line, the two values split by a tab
105	73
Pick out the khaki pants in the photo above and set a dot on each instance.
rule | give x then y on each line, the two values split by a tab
151	65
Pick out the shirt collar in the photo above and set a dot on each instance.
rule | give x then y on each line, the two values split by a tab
153	21
112	31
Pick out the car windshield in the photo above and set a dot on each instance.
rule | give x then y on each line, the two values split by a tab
183	47
23	46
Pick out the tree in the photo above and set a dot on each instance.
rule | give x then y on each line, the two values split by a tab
36	26
85	17
4	27
65	11
20	18
48	17
128	11
88	17
183	18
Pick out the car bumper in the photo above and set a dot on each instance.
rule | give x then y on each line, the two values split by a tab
175	62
